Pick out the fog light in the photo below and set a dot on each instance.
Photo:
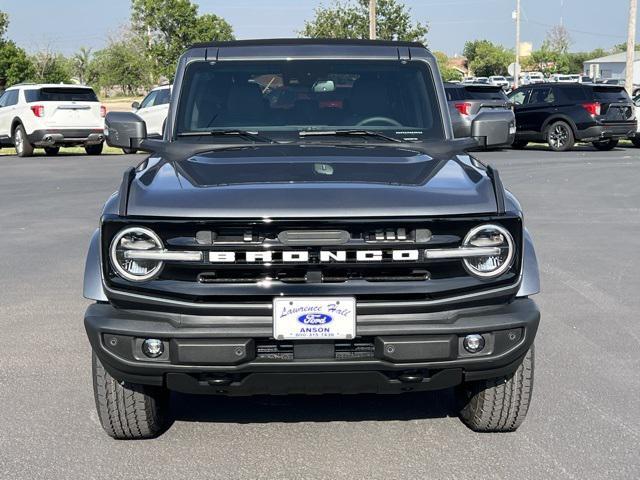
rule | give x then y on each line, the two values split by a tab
152	347
473	343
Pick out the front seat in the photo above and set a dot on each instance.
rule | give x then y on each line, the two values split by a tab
369	98
246	105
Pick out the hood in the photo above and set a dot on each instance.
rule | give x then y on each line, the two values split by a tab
311	181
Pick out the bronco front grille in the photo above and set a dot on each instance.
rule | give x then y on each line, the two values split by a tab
313	257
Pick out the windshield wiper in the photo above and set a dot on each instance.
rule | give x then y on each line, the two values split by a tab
347	133
239	133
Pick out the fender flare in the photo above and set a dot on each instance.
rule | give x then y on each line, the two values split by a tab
14	124
92	287
530	284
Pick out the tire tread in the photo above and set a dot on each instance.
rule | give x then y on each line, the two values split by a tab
499	404
127	411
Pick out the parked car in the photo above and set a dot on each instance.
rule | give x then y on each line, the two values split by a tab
153	110
561	114
51	116
481	80
511	81
559	78
611	81
499	81
467	101
468	79
308	224
635	139
531	78
585	79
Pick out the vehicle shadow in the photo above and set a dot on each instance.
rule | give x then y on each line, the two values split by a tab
313	408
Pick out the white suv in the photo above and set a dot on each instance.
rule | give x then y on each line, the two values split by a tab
153	109
51	116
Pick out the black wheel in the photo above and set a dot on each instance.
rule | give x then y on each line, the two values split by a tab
636	142
128	411
605	145
519	144
129	151
560	136
94	149
21	142
498	404
51	150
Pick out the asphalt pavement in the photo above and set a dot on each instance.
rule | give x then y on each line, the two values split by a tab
583	209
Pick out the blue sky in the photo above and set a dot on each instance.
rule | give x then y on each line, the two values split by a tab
37	24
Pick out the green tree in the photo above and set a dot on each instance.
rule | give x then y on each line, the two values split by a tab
121	65
486	59
4	24
447	72
50	67
80	64
350	19
168	27
15	66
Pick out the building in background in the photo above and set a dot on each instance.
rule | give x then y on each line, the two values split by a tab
612	66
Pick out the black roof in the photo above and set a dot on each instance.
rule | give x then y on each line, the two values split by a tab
488	86
308	41
573	84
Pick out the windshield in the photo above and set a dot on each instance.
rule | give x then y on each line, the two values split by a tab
292	96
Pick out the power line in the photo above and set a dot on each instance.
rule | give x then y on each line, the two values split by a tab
573	30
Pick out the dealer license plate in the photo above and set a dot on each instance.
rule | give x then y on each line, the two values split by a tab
302	318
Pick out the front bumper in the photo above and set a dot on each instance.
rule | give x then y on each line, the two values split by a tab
62	137
237	356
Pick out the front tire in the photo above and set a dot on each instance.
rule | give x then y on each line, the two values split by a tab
94	149
560	136
128	411
129	151
636	142
605	145
21	142
498	404
519	144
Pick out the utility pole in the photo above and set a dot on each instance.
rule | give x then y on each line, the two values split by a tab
631	45
516	73
372	19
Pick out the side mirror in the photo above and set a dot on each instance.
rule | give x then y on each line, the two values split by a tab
135	105
494	128
124	130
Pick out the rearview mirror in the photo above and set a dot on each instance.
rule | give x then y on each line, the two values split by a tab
135	105
124	130
323	86
494	128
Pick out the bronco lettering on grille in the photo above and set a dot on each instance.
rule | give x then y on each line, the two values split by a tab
323	256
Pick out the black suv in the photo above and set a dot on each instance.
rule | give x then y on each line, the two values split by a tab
561	114
308	224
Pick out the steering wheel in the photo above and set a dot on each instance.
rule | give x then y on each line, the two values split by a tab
387	120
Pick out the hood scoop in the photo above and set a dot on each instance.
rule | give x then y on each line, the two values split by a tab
203	173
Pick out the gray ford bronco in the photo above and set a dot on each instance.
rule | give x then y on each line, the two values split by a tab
308	224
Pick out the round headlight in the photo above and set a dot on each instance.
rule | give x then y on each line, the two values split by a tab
489	236
135	239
